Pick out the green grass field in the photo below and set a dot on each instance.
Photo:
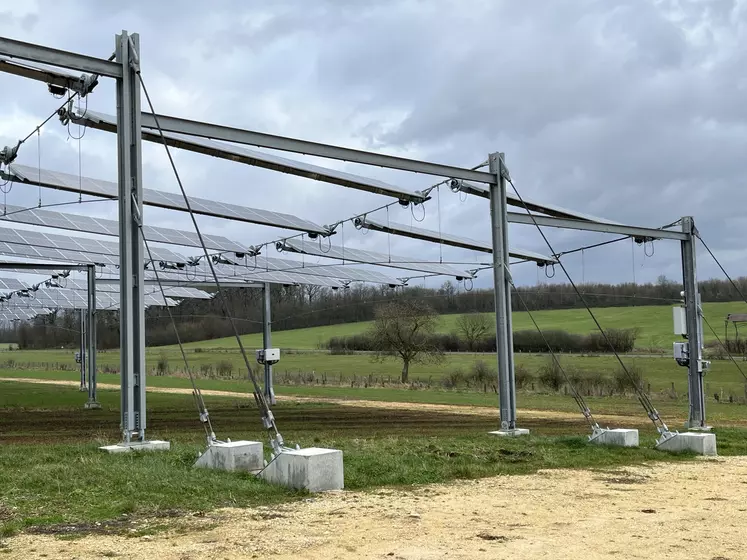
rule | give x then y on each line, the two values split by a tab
317	368
653	322
51	472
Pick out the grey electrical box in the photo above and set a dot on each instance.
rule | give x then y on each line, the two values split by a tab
682	353
680	320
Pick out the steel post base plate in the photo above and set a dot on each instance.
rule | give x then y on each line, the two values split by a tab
153	445
515	432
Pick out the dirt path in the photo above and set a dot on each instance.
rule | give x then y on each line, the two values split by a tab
673	511
604	419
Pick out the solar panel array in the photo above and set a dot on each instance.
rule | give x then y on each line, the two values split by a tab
113	287
256	158
162	199
228	273
56	298
348	273
66	248
363	256
88	224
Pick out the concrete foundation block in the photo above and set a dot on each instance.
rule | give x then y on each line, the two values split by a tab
314	469
701	443
92	405
620	437
516	432
233	456
153	445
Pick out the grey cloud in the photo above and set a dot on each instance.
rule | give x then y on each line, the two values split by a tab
631	110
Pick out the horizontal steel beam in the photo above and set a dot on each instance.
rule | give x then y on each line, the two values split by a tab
82	84
447	239
306	147
532	206
566	223
59	58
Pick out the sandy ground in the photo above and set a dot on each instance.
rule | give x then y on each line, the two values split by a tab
446	408
687	510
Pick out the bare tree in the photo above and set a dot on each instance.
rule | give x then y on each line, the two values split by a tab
404	330
311	292
473	327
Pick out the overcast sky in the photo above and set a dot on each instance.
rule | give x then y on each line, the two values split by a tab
630	110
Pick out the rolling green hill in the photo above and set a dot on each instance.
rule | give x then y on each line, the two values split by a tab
654	324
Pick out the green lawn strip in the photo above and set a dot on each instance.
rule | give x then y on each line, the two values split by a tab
662	373
51	482
654	323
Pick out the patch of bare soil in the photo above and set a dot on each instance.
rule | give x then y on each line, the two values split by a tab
674	511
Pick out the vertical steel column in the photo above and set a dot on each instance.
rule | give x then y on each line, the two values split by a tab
82	354
695	372
132	310
91	339
267	341
503	336
509	307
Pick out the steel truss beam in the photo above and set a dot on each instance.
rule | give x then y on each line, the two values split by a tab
283	143
60	58
566	223
445	239
82	84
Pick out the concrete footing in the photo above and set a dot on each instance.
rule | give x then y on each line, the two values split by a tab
153	445
701	443
516	432
92	405
620	437
233	456
313	469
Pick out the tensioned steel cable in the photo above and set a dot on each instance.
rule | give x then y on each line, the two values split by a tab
643	398
723	346
202	410
585	410
734	284
268	419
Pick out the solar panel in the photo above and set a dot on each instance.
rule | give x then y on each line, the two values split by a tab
457	185
341	272
371	257
11	285
37	241
113	287
172	201
239	274
88	224
255	158
56	298
447	239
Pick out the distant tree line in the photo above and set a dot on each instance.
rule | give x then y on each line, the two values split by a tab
309	306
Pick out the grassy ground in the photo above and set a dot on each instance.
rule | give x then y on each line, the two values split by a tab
359	369
654	322
52	473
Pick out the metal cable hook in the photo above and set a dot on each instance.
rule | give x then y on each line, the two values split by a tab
471	284
329	244
412	211
653	249
548	268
